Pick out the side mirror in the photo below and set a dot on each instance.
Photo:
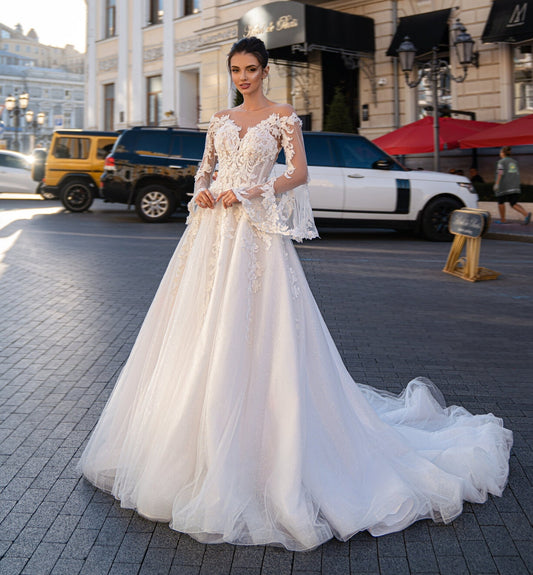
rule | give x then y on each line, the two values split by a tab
383	164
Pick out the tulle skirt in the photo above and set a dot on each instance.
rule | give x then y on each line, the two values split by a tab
235	420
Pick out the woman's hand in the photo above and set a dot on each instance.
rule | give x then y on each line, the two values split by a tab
228	198
205	200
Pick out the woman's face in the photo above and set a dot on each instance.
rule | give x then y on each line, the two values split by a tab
247	73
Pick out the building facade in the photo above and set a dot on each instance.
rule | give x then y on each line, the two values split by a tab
164	61
53	78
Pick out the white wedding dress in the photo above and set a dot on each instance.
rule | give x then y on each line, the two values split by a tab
234	418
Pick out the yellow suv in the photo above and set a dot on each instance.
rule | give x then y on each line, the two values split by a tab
73	166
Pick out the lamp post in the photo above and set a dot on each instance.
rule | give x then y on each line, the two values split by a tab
34	123
434	69
16	105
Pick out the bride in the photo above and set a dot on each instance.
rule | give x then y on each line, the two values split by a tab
234	418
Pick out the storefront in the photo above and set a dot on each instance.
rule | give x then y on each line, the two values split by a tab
511	22
301	36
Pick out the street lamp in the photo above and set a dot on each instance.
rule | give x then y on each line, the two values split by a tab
434	69
34	123
16	105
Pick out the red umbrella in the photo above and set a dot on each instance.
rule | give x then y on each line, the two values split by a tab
417	137
519	132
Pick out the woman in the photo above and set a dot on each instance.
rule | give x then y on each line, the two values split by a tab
234	418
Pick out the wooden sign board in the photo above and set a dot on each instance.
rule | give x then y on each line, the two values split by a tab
468	225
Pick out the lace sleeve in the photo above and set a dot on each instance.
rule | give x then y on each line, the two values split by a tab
204	174
281	205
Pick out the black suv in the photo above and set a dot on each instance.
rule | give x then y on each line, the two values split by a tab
153	168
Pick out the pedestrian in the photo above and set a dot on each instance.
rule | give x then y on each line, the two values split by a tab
475	176
234	418
507	186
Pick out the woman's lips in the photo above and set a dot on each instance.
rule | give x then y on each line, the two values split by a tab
244	86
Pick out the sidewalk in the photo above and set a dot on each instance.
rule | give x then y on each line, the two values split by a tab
512	231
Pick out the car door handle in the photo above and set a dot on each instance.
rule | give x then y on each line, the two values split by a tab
355	176
176	167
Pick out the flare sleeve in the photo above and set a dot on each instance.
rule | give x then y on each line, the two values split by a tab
204	174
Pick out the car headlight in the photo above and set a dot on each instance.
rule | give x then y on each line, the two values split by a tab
468	186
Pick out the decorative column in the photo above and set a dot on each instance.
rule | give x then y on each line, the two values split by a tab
91	120
122	95
137	83
168	116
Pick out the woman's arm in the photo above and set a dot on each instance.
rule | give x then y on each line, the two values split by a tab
202	180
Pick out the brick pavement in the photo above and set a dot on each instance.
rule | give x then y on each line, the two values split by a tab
74	289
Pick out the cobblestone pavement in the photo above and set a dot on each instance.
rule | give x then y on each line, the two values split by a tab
74	289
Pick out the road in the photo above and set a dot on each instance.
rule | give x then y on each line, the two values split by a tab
74	290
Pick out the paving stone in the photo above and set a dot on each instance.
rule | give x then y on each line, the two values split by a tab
67	567
157	561
43	559
55	378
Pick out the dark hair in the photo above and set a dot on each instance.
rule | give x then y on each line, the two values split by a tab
251	45
506	150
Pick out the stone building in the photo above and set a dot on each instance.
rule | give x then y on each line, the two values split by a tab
164	61
53	77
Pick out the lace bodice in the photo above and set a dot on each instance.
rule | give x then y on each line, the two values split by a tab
244	163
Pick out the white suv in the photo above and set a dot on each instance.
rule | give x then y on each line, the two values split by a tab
355	183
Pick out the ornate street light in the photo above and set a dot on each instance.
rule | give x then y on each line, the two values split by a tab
16	105
434	69
34	123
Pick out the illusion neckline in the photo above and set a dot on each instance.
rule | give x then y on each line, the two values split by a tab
240	128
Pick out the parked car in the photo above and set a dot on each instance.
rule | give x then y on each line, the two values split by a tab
352	181
153	169
73	166
15	173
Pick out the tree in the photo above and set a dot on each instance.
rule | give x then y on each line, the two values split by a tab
338	116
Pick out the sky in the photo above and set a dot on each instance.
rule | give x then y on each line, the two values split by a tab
57	22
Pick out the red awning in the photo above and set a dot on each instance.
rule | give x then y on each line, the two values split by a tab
519	132
417	137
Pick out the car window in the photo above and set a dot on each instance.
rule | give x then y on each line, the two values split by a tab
188	146
72	148
14	162
152	143
3	161
103	147
359	153
317	149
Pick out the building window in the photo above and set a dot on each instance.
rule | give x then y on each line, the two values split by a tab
153	101
191	7
156	12
110	18
523	78
109	107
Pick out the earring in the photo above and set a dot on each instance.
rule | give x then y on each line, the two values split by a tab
267	89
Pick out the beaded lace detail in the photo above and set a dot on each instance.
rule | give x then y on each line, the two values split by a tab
245	166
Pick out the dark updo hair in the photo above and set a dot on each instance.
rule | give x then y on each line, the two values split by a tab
251	45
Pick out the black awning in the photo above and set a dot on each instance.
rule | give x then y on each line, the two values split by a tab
509	21
425	31
288	23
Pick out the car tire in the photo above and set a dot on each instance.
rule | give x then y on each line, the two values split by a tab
76	195
155	203
435	219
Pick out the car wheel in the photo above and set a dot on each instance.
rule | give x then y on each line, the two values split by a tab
77	196
435	219
44	194
155	203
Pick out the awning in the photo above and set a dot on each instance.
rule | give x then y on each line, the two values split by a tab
284	24
518	132
509	21
425	31
418	137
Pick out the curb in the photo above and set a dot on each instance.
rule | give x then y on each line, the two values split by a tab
508	237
